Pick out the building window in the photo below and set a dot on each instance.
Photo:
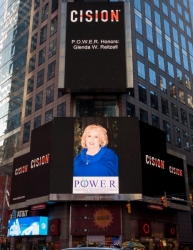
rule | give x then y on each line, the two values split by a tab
187	82
165	9
179	8
40	78
174	112
170	69
168	47
159	39
162	84
33	42
181	24
156	3
172	87
53	25
13	123
149	32
38	101
54	5
157	19
143	115
61	110
96	108
142	93
45	12
32	62
26	132
150	54
152	77
181	95
155	121
166	28
161	64
42	56
141	69
51	70
190	102
49	116
173	17
191	121
147	11
177	136
35	21
130	109
179	76
139	47
166	128
28	107
52	47
43	34
36	4
184	118
164	103
16	102
50	94
138	24
37	121
154	100
30	85
186	140
137	5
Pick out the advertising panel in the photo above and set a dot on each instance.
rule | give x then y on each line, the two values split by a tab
36	225
95	47
95	219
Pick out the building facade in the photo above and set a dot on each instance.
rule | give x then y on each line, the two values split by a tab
47	71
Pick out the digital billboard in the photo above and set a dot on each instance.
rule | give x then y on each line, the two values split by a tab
95	47
35	225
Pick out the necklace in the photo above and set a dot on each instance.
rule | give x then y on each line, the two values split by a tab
87	159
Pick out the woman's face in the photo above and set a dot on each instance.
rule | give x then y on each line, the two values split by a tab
92	139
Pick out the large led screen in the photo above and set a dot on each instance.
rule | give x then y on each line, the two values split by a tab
36	225
95	47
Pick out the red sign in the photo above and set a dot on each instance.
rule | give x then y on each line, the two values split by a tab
95	219
54	227
155	207
144	228
38	207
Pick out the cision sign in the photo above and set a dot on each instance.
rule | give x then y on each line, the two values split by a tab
95	47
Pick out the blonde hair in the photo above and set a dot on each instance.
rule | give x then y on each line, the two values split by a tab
102	134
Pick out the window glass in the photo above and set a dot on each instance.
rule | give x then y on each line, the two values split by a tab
35	21
187	82
34	42
172	3
190	102
185	61
40	78
131	110
137	5
187	17
159	40
179	76
168	47
181	95
156	2
184	118
138	24
181	24
36	4
52	47
49	116
26	132
188	31
149	32
152	77
172	87
28	107
141	69
177	54
165	9
191	121
174	111
45	12
186	140
42	56
147	11
164	103
142	93
143	115
175	35
139	47
150	54
183	41
37	121
32	62
30	85
157	19
162	84
167	130
179	8
54	5
43	34
53	25
177	137
173	16
38	101
166	28
16	102
155	121
190	46
161	62
51	70
50	94
154	100
170	69
61	110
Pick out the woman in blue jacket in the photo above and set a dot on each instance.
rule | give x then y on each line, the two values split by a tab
95	159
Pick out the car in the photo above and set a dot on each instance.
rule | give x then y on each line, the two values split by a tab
89	248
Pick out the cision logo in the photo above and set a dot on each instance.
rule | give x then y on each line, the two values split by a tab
95	16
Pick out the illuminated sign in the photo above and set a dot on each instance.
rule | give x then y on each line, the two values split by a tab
37	225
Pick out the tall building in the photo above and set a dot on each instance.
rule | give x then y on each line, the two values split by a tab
80	60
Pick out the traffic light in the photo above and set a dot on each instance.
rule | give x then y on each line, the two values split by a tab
128	206
164	201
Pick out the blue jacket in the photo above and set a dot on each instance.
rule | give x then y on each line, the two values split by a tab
104	163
